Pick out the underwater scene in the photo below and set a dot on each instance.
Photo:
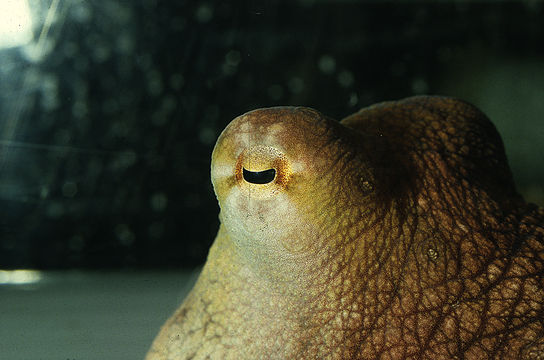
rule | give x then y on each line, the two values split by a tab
110	111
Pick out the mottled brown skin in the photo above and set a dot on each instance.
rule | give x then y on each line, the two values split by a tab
394	234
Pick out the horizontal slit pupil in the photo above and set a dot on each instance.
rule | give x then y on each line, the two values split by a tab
259	177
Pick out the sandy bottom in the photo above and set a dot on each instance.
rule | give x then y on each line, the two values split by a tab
85	316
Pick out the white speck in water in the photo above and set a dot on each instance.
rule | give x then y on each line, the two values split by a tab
124	234
353	99
296	85
125	43
101	53
233	58
44	192
206	135
327	64
79	109
81	12
158	201
419	86
228	69
345	78
204	13
69	189
49	90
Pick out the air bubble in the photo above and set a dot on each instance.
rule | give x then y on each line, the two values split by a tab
327	64
158	202
345	79
296	85
420	86
204	13
69	189
124	234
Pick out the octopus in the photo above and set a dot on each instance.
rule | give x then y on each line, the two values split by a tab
396	233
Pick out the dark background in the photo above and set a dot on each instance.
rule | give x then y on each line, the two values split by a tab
106	134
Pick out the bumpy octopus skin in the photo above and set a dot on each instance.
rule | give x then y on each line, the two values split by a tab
394	234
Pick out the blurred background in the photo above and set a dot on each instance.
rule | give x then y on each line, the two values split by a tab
109	111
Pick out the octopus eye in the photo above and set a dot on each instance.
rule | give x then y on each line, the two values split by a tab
259	177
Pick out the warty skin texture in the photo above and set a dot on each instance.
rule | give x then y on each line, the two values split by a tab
394	234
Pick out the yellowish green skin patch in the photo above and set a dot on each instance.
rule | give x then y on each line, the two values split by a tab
394	234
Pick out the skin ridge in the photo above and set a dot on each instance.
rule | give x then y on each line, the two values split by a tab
415	244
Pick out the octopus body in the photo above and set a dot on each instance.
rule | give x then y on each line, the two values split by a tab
396	233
